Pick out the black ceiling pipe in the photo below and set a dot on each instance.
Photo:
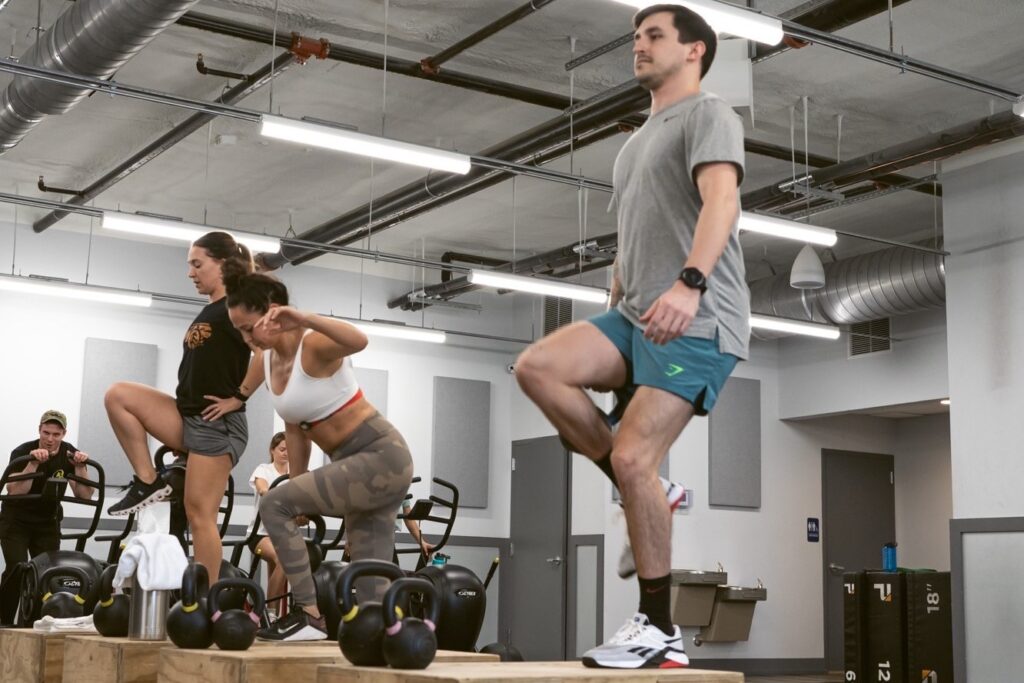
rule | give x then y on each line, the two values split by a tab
766	149
172	137
831	16
433	63
932	147
405	67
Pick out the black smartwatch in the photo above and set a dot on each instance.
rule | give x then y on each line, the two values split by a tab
694	279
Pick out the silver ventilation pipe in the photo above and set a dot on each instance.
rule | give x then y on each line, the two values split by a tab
92	38
881	284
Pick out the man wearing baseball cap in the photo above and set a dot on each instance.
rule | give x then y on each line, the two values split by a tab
30	527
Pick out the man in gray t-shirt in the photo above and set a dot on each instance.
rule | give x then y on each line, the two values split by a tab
679	319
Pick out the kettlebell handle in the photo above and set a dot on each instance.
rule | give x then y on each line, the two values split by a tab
194	580
106	595
250	587
401	587
358	569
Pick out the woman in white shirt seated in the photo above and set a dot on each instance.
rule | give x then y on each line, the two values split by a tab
262	477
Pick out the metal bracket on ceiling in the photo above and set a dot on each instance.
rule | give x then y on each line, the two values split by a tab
590	250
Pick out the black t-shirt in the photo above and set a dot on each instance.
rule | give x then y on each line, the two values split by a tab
214	359
44	510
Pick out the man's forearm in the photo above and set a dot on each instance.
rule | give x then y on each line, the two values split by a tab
18	488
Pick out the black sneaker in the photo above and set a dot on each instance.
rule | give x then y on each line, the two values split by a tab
140	495
296	626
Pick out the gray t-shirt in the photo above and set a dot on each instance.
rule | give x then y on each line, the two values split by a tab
658	205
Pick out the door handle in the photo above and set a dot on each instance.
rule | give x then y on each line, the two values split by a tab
835	568
554	561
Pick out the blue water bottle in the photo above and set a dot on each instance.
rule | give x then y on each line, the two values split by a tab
889	557
440	559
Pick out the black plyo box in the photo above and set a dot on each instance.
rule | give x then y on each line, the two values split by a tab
885	627
929	628
854	656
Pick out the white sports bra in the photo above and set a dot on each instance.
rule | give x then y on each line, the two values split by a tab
307	400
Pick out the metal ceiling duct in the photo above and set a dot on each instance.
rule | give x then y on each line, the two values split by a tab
92	38
881	284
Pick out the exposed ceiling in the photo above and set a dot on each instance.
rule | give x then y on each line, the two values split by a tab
227	175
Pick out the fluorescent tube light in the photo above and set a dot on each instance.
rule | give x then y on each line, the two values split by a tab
68	290
535	285
790	230
944	401
1018	107
342	140
765	322
726	18
179	230
399	332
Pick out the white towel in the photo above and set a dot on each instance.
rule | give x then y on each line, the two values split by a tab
156	561
49	624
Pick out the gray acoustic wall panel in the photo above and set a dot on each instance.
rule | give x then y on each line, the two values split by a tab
374	384
108	361
734	453
462	437
259	414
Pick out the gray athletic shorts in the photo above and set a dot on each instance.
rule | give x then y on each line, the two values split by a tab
228	435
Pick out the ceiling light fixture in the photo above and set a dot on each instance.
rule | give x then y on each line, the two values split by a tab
726	18
180	230
765	322
342	140
791	230
534	285
71	290
1018	107
398	331
944	401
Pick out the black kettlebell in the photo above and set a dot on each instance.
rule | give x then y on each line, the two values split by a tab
235	629
410	642
62	604
188	623
111	612
361	630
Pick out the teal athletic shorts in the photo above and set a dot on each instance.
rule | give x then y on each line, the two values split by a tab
691	368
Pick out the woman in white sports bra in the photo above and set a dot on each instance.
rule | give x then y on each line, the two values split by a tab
313	388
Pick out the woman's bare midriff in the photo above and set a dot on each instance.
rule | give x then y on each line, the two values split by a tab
335	430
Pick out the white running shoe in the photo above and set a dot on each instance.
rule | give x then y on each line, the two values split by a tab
675	493
639	645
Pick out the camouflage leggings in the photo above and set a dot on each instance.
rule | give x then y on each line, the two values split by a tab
365	482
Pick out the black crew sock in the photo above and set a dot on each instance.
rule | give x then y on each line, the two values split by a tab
605	463
655	603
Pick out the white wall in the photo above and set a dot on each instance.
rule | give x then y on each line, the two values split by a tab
818	378
924	492
983	230
42	365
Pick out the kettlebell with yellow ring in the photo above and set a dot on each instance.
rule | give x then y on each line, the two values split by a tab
110	616
63	604
361	630
188	623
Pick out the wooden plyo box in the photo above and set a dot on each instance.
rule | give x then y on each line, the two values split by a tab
95	659
520	672
276	664
28	656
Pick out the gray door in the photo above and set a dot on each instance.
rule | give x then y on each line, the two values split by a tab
539	534
858	518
